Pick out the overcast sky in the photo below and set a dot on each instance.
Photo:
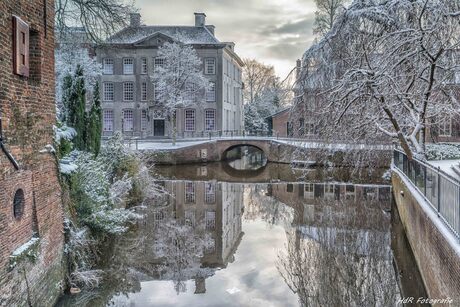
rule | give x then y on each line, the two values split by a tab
275	32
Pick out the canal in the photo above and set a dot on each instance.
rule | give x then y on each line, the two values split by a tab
245	233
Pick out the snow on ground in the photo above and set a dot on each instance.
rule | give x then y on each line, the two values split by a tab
447	166
143	145
166	144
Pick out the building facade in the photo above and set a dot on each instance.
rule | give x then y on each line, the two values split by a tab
128	93
31	215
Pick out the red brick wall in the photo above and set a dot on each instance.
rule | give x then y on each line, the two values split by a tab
280	121
38	176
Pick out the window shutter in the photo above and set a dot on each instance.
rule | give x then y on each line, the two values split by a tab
20	47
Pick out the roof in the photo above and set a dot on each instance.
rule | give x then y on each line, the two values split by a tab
184	34
280	111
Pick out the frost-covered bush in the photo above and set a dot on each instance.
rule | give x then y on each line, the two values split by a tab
101	187
442	151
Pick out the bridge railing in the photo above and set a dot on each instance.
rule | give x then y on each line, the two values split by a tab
439	189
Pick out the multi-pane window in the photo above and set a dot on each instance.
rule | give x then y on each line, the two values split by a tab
189	192
211	92
209	192
107	89
210	66
156	92
210	219
190	120
128	66
107	66
143	91
128	120
210	119
158	62
144	120
445	126
108	120
190	218
190	92
128	91
144	66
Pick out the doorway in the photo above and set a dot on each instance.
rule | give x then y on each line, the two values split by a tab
158	127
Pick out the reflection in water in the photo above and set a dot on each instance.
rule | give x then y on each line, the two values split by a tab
245	158
228	244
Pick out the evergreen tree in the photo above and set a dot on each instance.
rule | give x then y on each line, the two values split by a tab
77	112
66	97
94	125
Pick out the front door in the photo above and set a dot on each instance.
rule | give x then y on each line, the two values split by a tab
158	127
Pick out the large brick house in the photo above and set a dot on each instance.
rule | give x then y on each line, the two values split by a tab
128	93
31	215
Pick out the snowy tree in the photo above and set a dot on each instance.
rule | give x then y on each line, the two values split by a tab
180	81
100	18
67	57
264	94
94	124
327	13
385	69
77	109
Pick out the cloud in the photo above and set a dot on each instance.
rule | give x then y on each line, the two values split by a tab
276	32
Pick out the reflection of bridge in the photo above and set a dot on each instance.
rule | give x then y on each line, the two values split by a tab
275	149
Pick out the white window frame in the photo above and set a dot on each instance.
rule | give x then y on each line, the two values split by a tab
210	220
128	119
144	91
144	120
128	91
211	92
158	62
208	119
128	66
144	66
210	66
108	91
209	192
189	119
107	120
107	66
189	192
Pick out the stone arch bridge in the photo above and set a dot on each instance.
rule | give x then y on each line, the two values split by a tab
276	150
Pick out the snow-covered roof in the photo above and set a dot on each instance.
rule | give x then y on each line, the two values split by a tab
184	34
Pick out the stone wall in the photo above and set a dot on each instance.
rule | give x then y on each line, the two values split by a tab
437	257
33	276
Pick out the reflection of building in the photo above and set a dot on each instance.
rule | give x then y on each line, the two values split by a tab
340	246
212	209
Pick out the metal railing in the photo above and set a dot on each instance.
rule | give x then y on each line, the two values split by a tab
440	190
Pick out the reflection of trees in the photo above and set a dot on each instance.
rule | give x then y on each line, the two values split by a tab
341	263
181	248
259	205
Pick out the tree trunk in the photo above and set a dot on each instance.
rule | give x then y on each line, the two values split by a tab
174	130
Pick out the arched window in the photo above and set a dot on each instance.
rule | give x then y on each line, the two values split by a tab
18	204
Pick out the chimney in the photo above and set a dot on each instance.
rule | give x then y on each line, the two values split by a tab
134	19
210	28
200	19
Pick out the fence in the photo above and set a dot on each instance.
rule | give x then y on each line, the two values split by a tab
441	190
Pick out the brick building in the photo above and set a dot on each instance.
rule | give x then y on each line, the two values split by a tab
31	215
128	93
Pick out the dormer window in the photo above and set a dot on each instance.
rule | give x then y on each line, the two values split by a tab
128	66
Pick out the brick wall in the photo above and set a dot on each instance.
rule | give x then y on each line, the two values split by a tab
27	110
280	122
436	258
